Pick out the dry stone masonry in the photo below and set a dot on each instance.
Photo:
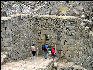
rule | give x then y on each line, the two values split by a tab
70	30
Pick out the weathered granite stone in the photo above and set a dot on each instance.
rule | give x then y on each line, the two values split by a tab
76	35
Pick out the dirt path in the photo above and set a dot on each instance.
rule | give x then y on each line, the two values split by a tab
27	64
38	63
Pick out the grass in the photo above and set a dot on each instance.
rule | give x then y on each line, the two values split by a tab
62	9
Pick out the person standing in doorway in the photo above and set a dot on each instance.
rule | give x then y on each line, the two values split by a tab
46	50
53	52
33	49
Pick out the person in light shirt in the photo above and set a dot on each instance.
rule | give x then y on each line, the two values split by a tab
33	49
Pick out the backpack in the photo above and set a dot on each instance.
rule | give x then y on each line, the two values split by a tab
43	47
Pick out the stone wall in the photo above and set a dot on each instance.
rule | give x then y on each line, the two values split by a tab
73	37
16	39
75	41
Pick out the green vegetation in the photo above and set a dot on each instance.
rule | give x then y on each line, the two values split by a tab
3	23
62	9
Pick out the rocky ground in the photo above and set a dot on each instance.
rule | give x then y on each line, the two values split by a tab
65	65
27	64
40	63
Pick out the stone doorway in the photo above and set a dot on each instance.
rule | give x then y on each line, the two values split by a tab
47	36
